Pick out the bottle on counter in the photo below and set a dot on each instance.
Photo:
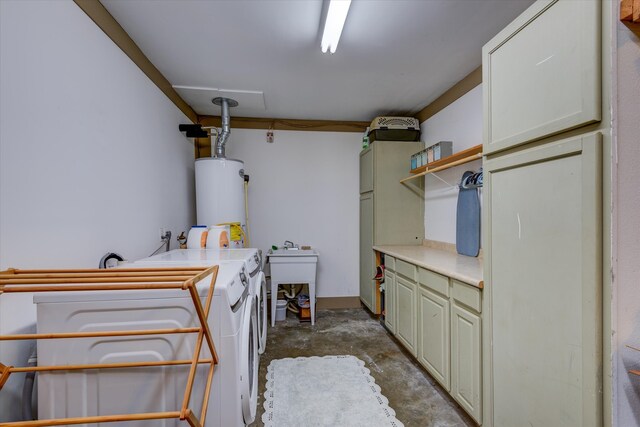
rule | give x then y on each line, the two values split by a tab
365	139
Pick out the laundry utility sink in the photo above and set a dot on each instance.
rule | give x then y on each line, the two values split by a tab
293	266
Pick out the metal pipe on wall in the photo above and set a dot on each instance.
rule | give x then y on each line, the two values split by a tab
221	140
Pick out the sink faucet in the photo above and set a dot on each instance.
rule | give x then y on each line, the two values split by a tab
289	244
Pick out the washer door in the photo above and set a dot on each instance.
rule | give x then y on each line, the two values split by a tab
261	311
249	362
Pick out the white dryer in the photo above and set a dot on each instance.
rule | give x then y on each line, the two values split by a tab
252	259
232	320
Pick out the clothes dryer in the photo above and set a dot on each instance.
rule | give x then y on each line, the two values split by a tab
252	259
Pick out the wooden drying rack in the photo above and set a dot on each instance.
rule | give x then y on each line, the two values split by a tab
125	279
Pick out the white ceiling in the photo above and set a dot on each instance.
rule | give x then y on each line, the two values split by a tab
395	56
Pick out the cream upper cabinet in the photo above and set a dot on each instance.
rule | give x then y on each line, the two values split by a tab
406	330
433	331
366	170
541	74
390	300
543	280
399	209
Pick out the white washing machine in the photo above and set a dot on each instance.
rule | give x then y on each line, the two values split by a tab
232	320
252	259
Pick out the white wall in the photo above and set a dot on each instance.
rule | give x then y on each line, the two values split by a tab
627	237
460	122
304	188
91	159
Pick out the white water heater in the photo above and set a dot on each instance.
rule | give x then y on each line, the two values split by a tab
219	191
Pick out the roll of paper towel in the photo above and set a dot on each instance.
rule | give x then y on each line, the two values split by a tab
197	237
218	236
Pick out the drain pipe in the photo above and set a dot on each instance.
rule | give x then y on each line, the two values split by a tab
221	140
27	389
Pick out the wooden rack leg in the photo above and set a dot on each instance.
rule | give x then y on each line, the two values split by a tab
207	308
207	392
191	378
5	371
203	315
192	420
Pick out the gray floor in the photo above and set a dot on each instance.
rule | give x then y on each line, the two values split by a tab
412	393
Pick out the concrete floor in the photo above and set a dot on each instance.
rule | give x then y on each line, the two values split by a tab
416	397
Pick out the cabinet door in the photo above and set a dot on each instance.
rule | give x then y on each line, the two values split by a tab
433	331
367	256
406	330
366	170
541	74
399	208
466	361
542	294
390	300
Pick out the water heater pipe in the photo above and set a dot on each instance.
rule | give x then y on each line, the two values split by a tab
246	210
221	140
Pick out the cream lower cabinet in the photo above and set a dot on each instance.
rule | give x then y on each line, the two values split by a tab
433	327
406	327
390	300
466	359
438	320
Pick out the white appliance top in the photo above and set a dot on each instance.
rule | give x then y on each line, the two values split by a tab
229	283
250	256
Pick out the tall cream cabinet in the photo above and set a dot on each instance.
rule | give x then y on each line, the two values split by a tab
542	219
390	213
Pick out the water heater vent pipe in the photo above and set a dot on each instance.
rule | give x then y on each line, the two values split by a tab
218	150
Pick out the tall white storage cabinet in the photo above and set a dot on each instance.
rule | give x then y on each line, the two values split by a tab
542	307
390	212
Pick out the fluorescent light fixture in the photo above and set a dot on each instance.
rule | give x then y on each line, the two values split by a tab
336	15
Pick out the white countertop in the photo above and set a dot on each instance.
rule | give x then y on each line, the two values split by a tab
463	268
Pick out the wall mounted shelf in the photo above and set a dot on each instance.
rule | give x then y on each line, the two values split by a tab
459	158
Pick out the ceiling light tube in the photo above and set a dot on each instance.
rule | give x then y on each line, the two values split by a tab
336	16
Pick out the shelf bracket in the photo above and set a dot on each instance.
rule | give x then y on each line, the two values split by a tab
414	186
435	175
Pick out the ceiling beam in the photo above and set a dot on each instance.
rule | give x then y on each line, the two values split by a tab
203	145
287	124
107	23
472	80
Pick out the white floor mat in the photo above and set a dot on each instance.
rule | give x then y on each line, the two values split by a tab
324	391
